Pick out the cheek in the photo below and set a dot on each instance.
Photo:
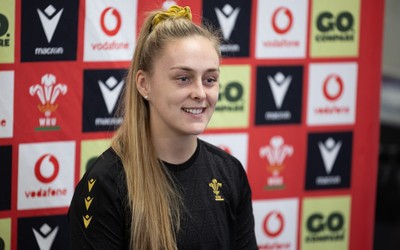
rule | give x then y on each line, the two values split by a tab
213	96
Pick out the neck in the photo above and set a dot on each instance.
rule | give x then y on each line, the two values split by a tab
174	150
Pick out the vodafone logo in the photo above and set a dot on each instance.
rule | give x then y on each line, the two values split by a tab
45	175
276	224
110	21
111	37
47	168
282	20
332	93
273	224
333	87
3	123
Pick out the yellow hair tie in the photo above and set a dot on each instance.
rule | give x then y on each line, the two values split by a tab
173	12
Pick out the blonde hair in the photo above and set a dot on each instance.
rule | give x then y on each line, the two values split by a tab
154	201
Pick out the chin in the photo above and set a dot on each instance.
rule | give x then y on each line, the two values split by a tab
197	131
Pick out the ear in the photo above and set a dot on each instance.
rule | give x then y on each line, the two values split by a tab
142	83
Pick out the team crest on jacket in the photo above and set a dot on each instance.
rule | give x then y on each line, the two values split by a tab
216	186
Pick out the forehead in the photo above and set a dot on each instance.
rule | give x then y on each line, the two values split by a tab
194	51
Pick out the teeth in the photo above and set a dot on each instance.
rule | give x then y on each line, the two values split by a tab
194	111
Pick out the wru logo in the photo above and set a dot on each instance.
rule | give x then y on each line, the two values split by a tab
48	92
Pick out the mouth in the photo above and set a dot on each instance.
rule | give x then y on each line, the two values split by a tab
194	111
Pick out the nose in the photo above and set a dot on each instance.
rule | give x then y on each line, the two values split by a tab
198	92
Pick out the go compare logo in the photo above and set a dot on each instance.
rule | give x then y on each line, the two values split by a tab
328	22
335	29
7	31
4	31
232	109
325	222
325	228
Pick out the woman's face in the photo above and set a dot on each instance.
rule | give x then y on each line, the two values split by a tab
183	87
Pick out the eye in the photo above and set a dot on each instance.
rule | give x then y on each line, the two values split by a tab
183	79
211	80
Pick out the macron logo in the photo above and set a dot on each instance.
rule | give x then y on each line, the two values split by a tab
329	152
49	20
111	90
279	85
45	237
227	19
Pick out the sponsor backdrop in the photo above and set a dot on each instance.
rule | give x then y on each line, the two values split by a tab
298	106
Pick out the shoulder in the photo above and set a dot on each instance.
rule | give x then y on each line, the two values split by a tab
217	153
227	170
107	173
105	178
107	166
98	210
101	188
221	161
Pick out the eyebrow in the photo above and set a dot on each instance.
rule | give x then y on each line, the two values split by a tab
191	70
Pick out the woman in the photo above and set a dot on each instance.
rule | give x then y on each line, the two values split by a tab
159	186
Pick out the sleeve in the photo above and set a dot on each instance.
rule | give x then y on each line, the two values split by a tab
245	236
96	214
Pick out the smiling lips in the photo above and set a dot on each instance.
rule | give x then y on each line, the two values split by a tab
194	111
